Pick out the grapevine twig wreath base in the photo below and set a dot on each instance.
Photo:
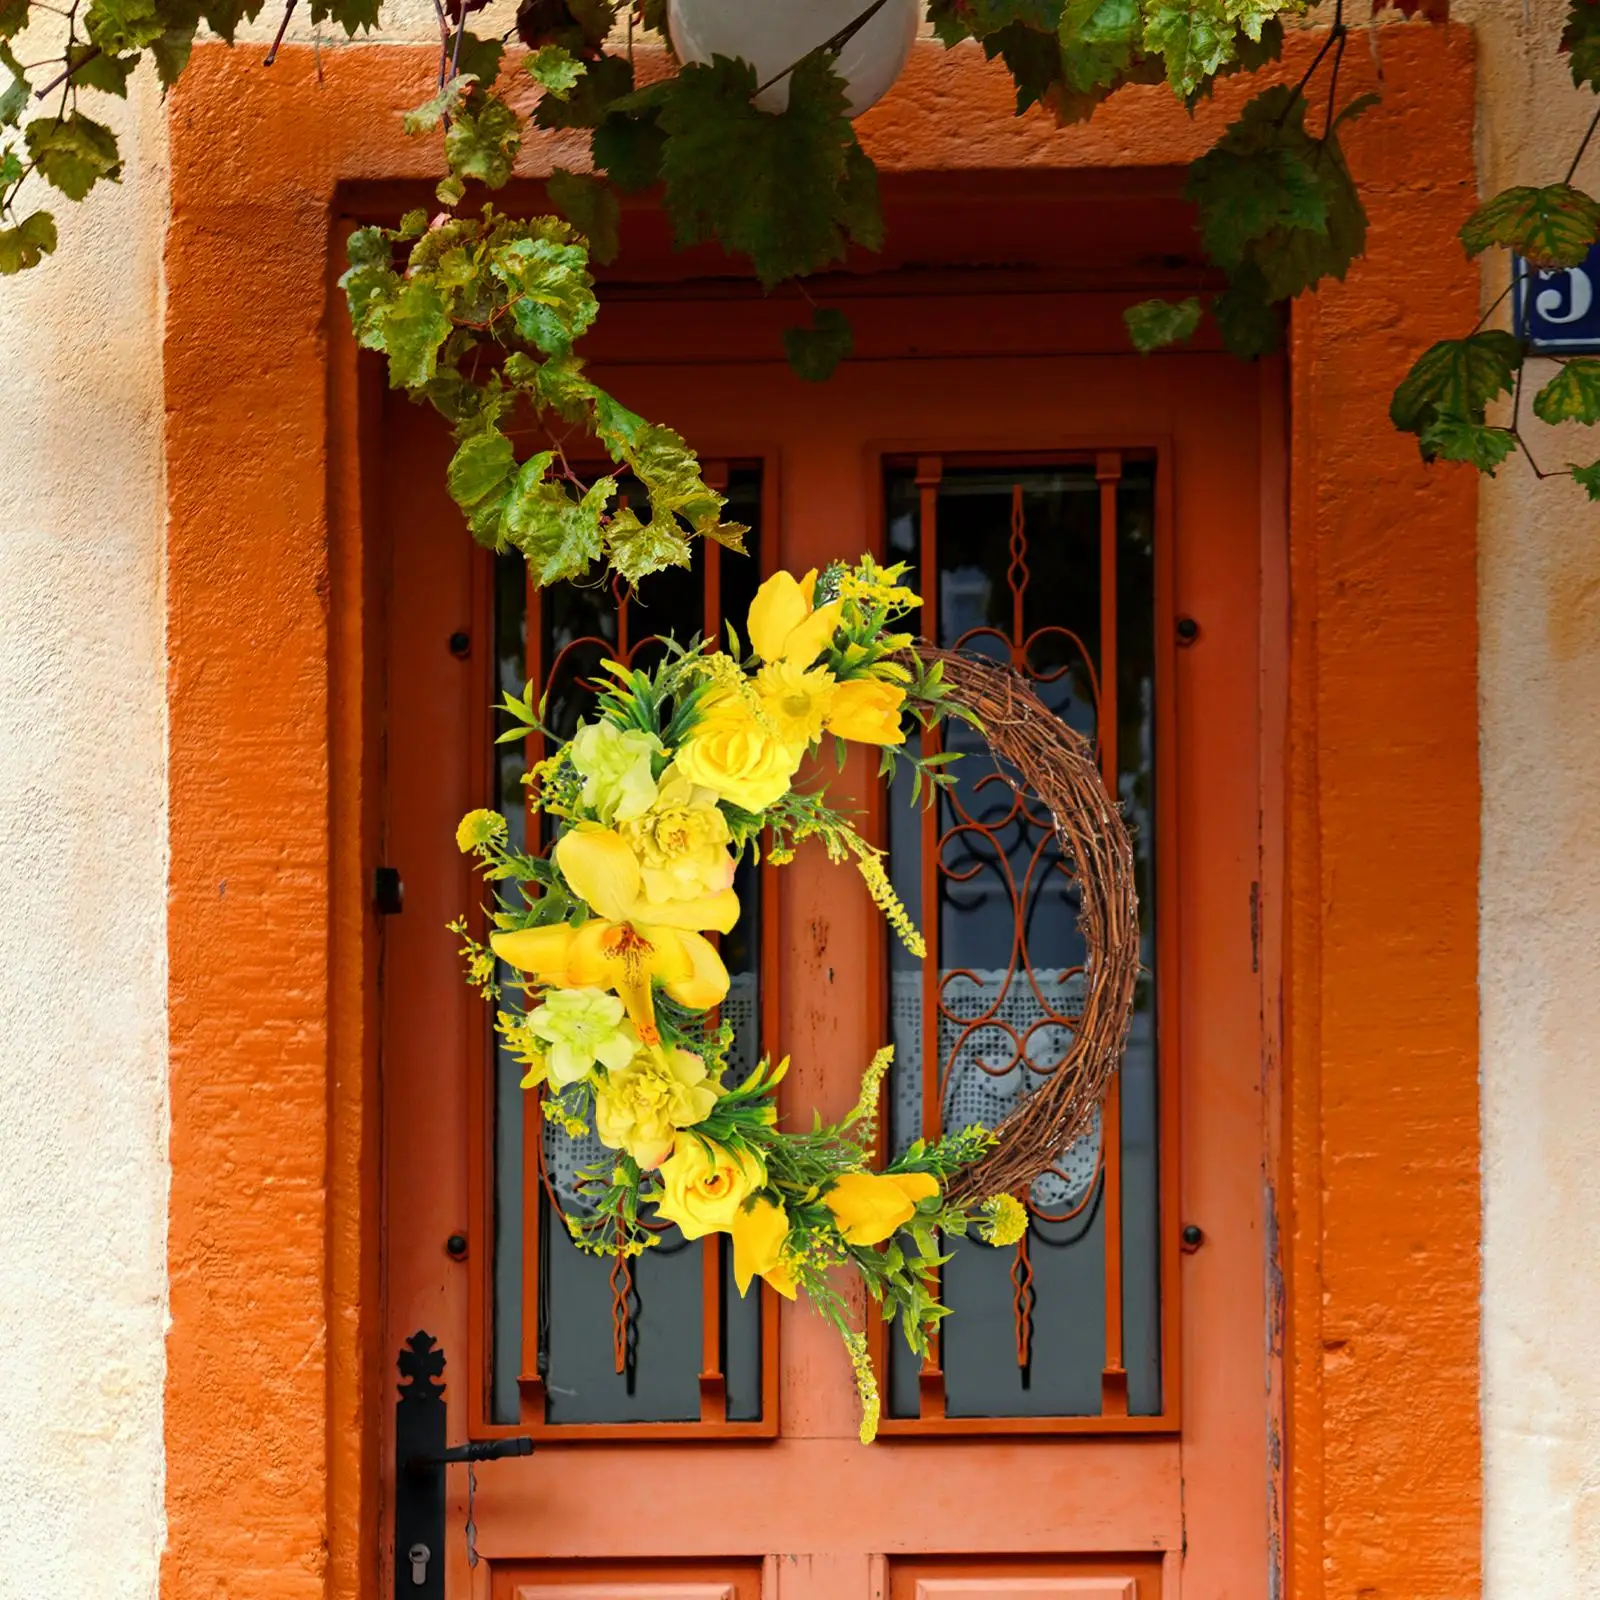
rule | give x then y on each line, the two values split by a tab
1057	765
609	992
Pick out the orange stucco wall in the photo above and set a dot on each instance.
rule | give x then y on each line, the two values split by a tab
1369	862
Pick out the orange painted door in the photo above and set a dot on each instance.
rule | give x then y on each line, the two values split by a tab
1096	1424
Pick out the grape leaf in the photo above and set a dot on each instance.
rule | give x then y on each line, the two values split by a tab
1198	38
590	100
27	243
410	331
480	59
350	15
590	206
555	70
13	17
14	98
479	478
1451	384
955	20
559	537
223	17
1154	323
483	141
628	150
1549	227
771	187
92	68
1250	323
11	169
1098	41
814	352
551	294
172	50
1580	40
73	153
1589	478
1451	438
119	26
1573	395
426	117
1031	57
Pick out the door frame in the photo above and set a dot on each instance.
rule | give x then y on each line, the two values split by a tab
273	1377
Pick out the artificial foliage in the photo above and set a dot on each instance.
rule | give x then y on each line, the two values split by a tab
481	322
606	983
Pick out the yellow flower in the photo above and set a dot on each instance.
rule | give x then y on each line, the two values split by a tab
732	753
705	1185
784	626
868	1206
1003	1220
615	764
630	942
868	711
640	1107
479	827
759	1231
681	842
795	699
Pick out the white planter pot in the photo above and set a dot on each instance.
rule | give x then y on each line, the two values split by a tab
774	34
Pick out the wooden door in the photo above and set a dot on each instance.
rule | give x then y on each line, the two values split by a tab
1096	1426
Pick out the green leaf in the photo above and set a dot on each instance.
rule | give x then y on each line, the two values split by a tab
483	141
1589	477
1581	42
1549	227
771	187
636	549
1154	323
559	536
628	150
814	352
1573	395
480	59
73	153
92	68
428	116
27	243
119	26
1456	379
1198	38
223	17
172	50
350	15
1032	57
14	98
552	294
13	17
1098	41
590	206
555	70
1249	323
414	325
1451	438
10	167
589	101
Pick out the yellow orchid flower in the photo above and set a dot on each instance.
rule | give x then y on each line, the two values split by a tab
758	1234
783	623
868	1206
630	942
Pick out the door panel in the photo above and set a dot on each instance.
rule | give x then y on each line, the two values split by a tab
949	1515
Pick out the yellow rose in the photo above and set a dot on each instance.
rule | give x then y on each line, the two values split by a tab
759	1231
705	1185
868	711
796	700
730	753
868	1206
681	842
640	1107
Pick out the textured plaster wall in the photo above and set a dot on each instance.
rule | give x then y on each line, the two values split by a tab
83	1180
1540	931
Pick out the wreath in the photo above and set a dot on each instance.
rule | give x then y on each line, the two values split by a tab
612	1000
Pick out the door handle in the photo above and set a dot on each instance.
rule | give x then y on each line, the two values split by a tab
421	1457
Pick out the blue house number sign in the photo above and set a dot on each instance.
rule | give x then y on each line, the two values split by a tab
1558	313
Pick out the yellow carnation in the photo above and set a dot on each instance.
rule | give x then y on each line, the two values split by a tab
795	700
735	755
706	1185
681	842
640	1107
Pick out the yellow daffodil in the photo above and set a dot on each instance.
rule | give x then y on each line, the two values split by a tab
796	700
681	841
705	1186
783	623
867	710
640	1107
868	1206
758	1231
630	942
735	754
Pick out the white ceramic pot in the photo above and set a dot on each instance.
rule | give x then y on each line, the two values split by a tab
774	34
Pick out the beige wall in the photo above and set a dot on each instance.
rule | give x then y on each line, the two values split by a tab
82	862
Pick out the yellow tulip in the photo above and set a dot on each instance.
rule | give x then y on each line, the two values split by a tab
630	942
868	1206
758	1235
867	710
785	626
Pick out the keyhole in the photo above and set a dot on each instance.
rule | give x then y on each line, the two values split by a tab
418	1557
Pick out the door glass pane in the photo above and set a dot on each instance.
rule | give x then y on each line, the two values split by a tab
1024	565
615	1342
